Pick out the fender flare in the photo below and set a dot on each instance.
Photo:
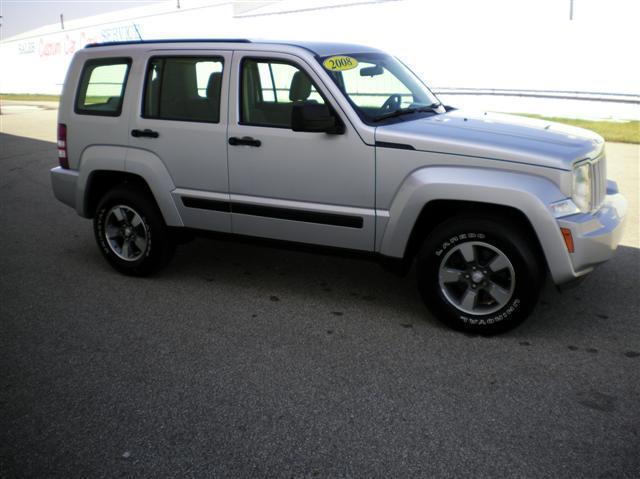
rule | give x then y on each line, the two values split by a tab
96	158
525	192
139	162
151	168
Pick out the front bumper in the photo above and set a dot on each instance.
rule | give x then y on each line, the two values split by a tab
64	183
596	235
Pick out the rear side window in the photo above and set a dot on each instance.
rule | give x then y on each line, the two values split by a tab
183	89
102	86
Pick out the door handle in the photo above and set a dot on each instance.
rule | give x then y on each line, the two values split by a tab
245	140
146	133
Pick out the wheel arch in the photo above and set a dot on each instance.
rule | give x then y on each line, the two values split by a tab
103	168
100	182
432	194
435	212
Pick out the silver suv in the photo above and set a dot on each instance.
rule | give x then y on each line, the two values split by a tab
331	145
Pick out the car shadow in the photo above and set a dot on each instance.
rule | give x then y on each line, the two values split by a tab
268	270
14	146
589	306
606	302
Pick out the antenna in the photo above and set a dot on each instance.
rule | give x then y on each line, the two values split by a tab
62	21
137	31
570	9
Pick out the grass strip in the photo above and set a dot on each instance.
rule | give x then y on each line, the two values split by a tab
28	97
616	131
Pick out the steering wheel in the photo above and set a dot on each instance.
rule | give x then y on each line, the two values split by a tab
392	103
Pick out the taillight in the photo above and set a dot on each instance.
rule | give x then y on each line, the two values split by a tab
63	158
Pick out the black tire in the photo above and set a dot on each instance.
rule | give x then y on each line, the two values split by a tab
522	276
158	246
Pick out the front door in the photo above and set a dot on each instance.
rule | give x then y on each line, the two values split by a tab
304	187
182	120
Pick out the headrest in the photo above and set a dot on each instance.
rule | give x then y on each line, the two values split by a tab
300	87
214	85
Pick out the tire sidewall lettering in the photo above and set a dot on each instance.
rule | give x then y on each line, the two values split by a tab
101	239
453	240
498	318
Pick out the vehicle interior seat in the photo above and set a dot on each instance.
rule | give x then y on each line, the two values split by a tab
300	88
175	89
213	92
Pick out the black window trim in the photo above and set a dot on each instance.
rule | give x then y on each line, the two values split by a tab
145	82
285	61
82	87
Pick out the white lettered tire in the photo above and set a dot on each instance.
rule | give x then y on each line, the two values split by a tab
479	275
131	232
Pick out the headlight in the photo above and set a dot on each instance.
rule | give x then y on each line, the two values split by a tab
582	187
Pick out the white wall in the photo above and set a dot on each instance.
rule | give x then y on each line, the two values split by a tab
525	44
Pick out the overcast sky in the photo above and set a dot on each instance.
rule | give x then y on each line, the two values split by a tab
21	15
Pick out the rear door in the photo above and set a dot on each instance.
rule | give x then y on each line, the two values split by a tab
182	119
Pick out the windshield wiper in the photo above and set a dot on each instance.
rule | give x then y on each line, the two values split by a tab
432	107
406	111
401	111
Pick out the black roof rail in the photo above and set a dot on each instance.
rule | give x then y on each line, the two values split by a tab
176	40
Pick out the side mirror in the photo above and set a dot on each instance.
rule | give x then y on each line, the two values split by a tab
315	118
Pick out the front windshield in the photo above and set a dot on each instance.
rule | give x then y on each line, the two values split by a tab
379	86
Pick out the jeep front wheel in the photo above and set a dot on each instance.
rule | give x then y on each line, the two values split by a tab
479	275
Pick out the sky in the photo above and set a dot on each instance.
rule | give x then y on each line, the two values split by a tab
22	15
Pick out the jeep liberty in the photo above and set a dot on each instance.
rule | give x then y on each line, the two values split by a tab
332	145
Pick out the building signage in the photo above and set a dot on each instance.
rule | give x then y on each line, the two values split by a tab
68	43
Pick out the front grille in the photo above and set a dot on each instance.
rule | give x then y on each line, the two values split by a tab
599	181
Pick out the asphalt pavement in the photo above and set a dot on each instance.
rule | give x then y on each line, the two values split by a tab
249	361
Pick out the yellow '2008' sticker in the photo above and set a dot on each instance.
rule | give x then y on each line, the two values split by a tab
340	63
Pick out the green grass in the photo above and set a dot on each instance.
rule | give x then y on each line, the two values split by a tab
618	131
28	97
96	100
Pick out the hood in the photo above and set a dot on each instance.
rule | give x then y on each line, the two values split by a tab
496	136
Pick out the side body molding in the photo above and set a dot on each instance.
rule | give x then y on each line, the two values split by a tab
527	193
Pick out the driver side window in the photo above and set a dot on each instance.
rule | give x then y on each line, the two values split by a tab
370	91
269	88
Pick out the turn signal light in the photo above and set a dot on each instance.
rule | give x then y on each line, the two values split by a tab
568	239
63	158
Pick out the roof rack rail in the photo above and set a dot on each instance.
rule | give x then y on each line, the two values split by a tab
176	40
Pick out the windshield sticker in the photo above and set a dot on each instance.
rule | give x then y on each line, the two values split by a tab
340	63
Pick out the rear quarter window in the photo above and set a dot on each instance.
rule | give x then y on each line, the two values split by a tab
102	86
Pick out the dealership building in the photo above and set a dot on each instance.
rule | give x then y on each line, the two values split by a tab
532	45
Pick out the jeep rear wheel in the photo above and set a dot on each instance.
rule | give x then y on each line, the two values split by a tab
479	275
131	232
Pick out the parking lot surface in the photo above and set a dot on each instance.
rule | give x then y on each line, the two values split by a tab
248	361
